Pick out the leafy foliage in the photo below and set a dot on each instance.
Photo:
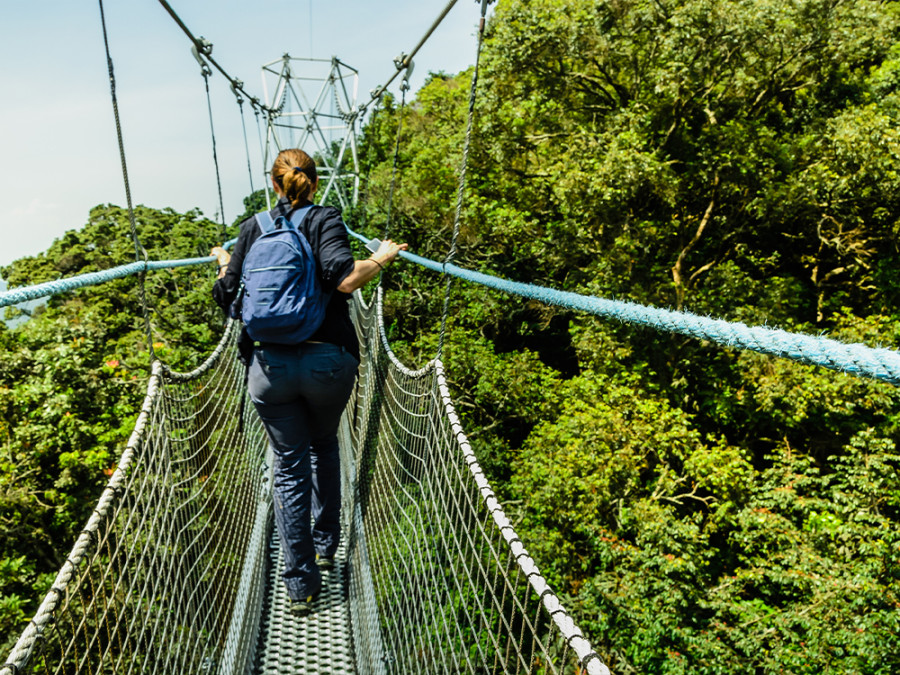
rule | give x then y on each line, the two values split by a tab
704	510
72	380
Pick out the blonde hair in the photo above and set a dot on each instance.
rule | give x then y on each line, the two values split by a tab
295	173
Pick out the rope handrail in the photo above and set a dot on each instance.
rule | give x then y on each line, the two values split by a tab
550	600
169	573
14	296
853	358
419	495
25	645
138	584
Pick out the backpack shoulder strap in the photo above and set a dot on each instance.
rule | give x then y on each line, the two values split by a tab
299	215
265	222
268	224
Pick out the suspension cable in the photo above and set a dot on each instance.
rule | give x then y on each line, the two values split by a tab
404	63
204	47
451	253
404	87
362	212
240	102
138	249
263	145
262	150
206	72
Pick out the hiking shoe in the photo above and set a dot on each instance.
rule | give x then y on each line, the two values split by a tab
325	562
304	607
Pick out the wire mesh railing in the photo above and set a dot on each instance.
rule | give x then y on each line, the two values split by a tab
440	582
167	574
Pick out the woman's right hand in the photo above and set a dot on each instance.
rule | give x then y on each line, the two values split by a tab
387	252
364	270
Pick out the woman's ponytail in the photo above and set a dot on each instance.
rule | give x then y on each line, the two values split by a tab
295	173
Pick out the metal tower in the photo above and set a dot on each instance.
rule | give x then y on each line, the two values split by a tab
315	109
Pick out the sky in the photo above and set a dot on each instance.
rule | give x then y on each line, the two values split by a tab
58	142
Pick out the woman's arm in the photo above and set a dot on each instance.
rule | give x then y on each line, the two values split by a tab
228	279
367	269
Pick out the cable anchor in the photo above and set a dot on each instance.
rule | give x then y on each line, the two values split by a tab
404	83
202	47
404	62
236	86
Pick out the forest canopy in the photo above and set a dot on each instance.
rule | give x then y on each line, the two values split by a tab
700	509
703	509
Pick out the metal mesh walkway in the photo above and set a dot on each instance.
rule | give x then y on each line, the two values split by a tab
316	644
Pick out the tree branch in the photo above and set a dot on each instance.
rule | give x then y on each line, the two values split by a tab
678	267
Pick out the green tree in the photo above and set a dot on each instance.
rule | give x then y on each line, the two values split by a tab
72	380
703	509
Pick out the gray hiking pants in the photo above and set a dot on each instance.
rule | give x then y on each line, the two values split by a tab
300	392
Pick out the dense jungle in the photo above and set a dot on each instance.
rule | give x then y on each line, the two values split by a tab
699	509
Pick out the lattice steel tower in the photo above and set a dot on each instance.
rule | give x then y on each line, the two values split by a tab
315	109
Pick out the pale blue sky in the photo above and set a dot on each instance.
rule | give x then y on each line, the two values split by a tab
57	135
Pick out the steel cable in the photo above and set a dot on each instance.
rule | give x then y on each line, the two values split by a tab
138	249
387	225
451	254
206	73
262	153
201	47
409	57
240	102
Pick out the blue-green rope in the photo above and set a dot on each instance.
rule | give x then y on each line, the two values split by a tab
857	359
16	295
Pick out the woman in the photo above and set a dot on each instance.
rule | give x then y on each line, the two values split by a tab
301	390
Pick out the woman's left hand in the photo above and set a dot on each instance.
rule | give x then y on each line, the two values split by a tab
223	257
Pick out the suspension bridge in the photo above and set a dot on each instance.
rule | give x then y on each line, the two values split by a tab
177	569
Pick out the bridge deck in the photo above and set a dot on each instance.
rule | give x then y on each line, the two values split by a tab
316	644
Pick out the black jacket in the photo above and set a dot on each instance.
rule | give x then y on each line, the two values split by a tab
327	236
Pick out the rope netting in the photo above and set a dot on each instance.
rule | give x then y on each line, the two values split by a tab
167	575
440	582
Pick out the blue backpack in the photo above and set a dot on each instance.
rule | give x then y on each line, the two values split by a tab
282	300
